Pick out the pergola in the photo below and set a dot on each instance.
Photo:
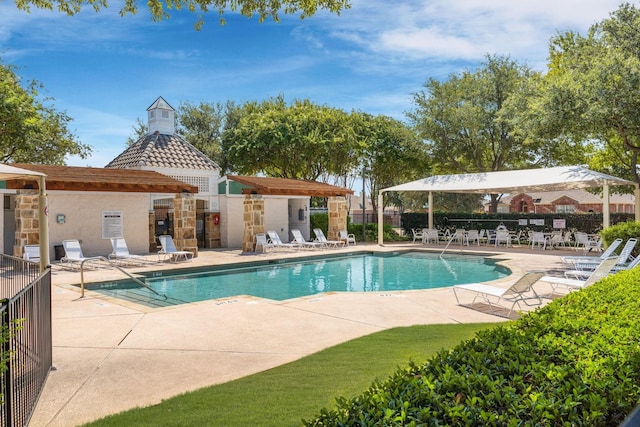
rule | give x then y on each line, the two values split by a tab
518	181
9	173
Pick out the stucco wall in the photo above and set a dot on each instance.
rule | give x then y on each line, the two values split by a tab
83	220
276	218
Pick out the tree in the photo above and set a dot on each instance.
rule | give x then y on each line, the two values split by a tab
31	130
140	129
301	141
592	91
465	125
159	8
202	126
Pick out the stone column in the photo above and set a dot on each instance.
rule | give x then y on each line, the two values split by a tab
212	237
184	223
337	216
253	220
27	222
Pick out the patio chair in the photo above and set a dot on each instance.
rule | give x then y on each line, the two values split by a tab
588	244
417	234
604	269
460	236
274	238
538	238
519	292
263	243
347	237
169	250
502	236
320	237
121	251
430	235
299	239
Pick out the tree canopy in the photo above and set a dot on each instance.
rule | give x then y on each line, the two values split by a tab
592	91
263	9
31	130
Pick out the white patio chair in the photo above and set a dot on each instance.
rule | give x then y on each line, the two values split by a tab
346	237
169	250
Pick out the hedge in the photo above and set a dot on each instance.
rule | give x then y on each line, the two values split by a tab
574	362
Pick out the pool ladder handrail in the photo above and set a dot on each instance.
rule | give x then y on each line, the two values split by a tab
101	258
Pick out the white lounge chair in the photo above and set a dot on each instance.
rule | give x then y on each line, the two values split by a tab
520	291
346	237
274	239
299	239
320	237
584	269
169	250
73	253
31	253
603	269
606	254
263	243
121	251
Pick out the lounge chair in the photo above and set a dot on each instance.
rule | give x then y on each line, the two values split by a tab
299	239
170	251
320	237
603	269
31	253
520	291
263	243
606	254
121	251
73	253
584	269
274	239
346	237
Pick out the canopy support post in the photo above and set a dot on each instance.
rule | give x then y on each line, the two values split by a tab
380	219
430	203
606	207
43	223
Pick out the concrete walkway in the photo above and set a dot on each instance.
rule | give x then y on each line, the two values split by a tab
110	355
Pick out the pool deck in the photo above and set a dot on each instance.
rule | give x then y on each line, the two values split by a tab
110	356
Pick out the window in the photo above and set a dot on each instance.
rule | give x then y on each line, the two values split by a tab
565	209
165	114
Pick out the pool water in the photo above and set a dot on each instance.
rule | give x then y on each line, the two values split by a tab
286	280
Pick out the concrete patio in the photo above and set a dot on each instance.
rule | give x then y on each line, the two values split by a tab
110	355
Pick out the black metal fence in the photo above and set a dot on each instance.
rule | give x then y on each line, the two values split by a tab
25	326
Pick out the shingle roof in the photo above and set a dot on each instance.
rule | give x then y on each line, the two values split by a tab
289	187
162	151
75	178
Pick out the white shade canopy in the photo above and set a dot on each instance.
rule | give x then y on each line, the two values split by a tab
518	181
526	180
11	172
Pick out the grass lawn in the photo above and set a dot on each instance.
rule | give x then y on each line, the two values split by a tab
285	395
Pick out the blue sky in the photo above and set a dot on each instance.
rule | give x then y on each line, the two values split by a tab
105	70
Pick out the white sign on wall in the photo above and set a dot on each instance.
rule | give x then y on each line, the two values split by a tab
112	224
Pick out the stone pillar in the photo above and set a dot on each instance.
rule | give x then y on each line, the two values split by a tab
253	220
184	223
27	222
212	229
337	216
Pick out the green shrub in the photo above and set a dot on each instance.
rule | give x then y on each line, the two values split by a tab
574	362
624	231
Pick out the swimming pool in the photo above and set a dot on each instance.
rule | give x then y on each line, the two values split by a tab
285	279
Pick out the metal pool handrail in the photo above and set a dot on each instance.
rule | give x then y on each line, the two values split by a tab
101	258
